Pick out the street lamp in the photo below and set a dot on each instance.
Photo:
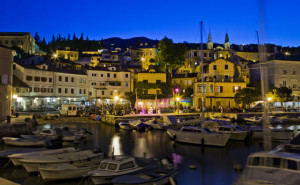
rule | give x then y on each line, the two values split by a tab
269	99
178	99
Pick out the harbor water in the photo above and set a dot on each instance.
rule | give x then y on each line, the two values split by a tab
211	165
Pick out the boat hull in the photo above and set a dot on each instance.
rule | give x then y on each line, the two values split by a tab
238	136
276	135
25	143
198	138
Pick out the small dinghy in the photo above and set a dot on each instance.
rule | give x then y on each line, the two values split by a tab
15	158
124	125
25	142
4	159
68	171
156	175
32	164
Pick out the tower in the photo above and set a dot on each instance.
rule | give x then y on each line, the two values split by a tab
226	43
210	44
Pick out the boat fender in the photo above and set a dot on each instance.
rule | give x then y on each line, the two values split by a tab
202	141
237	166
192	167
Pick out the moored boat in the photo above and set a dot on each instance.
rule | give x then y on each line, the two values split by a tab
117	166
15	158
34	142
33	164
236	132
156	175
124	125
197	135
271	168
68	171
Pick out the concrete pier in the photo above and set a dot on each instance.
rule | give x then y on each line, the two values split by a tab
6	182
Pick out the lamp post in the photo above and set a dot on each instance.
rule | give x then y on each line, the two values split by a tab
116	99
178	99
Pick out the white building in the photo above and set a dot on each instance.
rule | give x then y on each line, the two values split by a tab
107	83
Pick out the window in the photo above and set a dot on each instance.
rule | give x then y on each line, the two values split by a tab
91	93
145	81
50	90
44	79
126	83
59	90
84	80
199	88
294	85
37	79
112	166
284	72
43	90
72	79
221	89
72	91
84	91
66	79
214	67
126	165
226	77
190	82
101	75
66	90
79	91
115	75
276	162
59	78
292	165
284	83
126	75
80	80
102	92
158	81
294	72
226	66
108	75
195	53
205	54
211	86
36	89
29	78
50	79
103	165
255	161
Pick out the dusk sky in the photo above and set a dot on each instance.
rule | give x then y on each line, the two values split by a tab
178	20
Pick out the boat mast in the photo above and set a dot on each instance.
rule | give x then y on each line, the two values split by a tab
202	72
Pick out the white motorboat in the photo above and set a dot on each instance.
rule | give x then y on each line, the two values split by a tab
15	158
276	134
32	164
225	118
155	124
197	135
236	132
135	123
68	171
23	142
117	166
157	175
254	119
271	168
65	133
124	125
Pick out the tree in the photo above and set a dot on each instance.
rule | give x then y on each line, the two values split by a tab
283	94
246	96
37	38
171	55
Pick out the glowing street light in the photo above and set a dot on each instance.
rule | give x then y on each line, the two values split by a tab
177	99
15	96
116	98
269	99
177	90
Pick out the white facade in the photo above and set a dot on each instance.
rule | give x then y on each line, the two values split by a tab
108	84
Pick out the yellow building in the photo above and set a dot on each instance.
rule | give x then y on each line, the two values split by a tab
67	54
146	55
223	80
90	52
184	81
23	40
150	78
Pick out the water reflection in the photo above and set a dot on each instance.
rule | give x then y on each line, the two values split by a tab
116	146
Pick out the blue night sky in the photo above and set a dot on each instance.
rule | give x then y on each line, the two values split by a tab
178	20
